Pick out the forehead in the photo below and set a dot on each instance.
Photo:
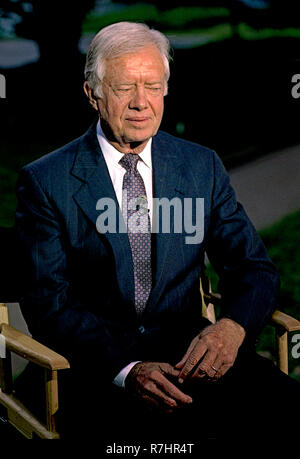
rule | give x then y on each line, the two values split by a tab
141	62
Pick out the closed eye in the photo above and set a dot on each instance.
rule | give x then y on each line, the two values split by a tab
154	89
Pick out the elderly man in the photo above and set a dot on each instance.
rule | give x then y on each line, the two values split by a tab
119	297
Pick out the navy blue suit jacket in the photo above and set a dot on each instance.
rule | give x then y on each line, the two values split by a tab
79	295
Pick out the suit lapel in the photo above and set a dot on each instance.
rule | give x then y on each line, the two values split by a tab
167	183
90	168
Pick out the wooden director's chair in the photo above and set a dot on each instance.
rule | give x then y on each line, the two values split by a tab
12	340
23	345
13	414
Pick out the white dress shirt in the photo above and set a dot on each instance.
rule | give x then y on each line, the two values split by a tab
112	157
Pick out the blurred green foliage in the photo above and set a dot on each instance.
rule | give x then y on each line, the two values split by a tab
282	241
173	18
144	13
248	33
186	20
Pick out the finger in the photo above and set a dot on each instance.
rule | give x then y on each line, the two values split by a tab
172	391
162	398
169	370
181	363
224	368
206	367
215	370
218	363
192	360
155	396
221	366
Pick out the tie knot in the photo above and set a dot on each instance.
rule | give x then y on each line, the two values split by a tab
129	161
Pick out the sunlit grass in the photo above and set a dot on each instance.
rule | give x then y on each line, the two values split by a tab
282	241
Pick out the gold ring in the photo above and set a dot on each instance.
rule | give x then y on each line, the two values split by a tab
214	368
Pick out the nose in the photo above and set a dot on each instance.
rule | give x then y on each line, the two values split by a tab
139	100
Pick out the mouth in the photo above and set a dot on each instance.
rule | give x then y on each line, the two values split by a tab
137	120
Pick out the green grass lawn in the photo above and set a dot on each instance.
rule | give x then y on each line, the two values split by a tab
283	243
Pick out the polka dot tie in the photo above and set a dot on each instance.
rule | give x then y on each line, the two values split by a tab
136	215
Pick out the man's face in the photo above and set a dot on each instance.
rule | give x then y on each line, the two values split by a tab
132	103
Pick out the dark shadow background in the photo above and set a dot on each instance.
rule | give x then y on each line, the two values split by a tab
233	95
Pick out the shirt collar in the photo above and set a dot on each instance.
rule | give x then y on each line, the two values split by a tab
113	156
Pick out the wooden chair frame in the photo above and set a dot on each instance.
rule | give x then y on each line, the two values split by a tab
23	345
15	341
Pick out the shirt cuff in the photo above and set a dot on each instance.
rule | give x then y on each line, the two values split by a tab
120	378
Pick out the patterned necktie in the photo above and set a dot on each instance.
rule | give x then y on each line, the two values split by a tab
135	211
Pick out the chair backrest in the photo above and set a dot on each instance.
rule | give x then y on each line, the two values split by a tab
3	314
207	297
11	287
10	266
8	259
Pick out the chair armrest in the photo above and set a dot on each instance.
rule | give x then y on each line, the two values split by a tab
214	298
289	323
32	350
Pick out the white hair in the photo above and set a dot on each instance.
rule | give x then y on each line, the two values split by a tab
118	39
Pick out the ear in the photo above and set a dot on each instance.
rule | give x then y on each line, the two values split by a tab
90	95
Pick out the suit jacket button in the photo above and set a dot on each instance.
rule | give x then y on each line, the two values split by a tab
142	329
